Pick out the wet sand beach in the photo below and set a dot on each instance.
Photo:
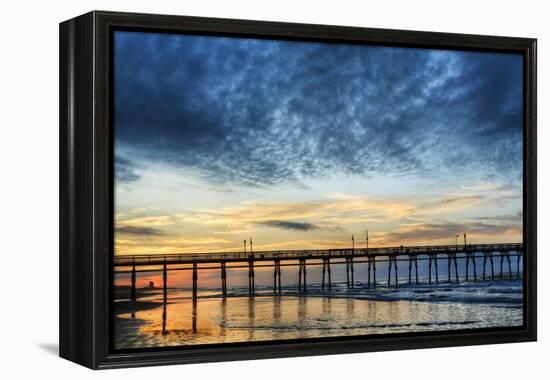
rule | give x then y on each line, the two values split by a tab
238	318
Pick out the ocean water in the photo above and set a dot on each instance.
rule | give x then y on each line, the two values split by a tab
342	312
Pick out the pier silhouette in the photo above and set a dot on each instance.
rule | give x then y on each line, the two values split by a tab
350	257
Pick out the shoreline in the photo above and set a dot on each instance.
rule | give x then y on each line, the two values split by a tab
504	293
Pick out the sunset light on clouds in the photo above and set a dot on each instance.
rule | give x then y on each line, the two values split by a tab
302	145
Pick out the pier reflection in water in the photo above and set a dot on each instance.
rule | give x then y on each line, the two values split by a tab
210	319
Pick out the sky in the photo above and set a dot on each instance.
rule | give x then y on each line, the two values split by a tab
304	145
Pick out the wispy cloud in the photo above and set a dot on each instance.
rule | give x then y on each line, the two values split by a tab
288	225
125	170
429	233
165	244
124	220
133	230
512	218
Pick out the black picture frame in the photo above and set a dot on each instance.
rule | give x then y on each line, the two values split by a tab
86	188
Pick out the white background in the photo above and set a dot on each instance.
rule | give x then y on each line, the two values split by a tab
29	187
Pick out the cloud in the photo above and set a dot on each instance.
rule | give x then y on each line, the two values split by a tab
123	219
133	230
288	225
512	218
460	200
165	243
263	112
125	170
430	232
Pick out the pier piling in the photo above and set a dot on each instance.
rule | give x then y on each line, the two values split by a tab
416	268
305	275
164	282
505	255
352	272
323	275
518	258
451	257
133	288
410	268
224	277
326	269
501	264
436	270
488	255
349	272
430	269
194	316
448	267
299	276
509	265
195	281
395	269
413	260
302	281
374	271
432	260
492	266
369	266
392	261
277	276
329	275
456	270
251	287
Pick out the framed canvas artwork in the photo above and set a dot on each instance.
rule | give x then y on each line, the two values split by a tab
238	189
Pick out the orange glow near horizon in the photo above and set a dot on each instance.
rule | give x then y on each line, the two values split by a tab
319	225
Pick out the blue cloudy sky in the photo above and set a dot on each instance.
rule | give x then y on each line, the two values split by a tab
302	144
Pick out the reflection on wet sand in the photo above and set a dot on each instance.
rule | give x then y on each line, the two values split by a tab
164	318
223	319
194	319
177	320
251	319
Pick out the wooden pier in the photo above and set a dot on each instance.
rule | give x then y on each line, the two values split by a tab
449	254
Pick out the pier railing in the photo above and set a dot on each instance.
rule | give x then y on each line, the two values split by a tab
214	257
